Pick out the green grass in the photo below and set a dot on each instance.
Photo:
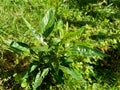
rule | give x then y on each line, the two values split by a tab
85	43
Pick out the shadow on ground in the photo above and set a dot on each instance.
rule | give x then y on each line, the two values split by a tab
108	69
8	68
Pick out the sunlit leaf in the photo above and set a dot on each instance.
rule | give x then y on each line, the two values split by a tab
73	72
47	23
60	28
37	35
18	46
39	78
86	51
55	41
24	83
28	24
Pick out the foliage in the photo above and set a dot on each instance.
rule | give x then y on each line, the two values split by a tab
65	44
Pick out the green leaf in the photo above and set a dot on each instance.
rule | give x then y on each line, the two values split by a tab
58	78
41	48
86	51
60	28
48	31
71	35
33	66
47	23
73	72
36	34
39	78
60	24
28	24
18	46
24	83
55	41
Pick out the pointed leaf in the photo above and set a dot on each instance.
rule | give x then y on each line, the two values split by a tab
47	23
28	24
37	35
73	72
18	46
39	78
60	28
86	51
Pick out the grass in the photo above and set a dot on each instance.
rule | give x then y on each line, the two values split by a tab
101	23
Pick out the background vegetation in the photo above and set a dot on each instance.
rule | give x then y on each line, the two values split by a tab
60	44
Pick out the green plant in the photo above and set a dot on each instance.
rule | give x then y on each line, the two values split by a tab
62	50
52	56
